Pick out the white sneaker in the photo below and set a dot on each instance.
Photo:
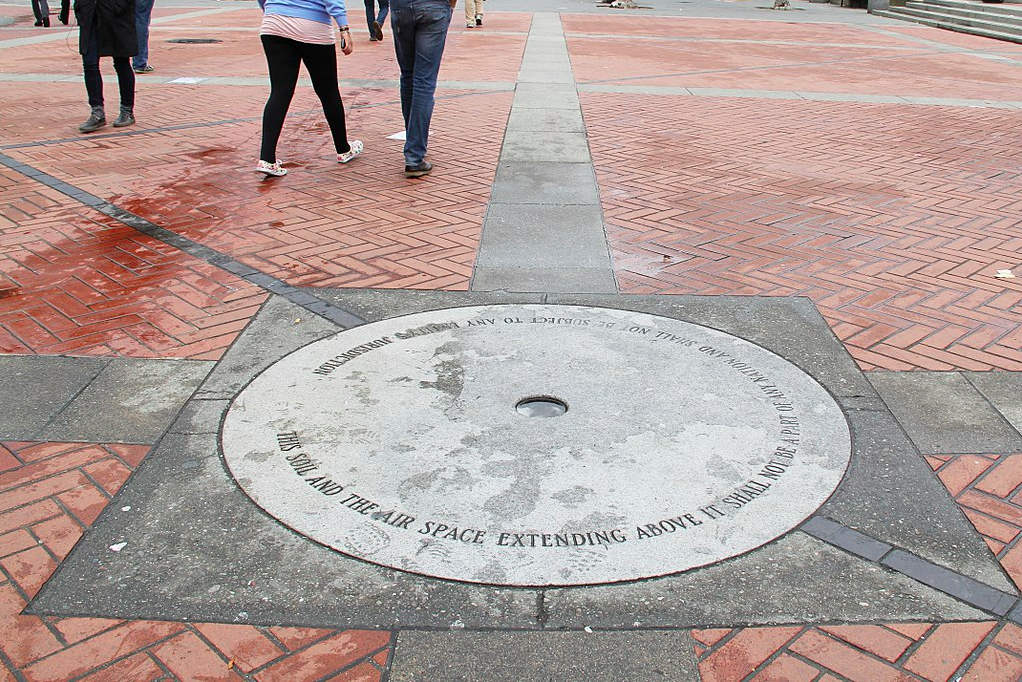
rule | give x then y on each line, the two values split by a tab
276	168
356	149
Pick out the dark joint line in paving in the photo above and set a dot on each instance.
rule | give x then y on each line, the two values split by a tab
260	279
963	588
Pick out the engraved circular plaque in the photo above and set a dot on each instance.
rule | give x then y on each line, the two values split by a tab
402	443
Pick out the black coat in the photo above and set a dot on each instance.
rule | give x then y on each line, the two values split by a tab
113	22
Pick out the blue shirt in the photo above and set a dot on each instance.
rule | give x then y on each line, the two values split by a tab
316	10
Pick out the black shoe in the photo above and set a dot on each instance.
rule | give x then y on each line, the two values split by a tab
126	118
38	22
46	22
479	20
94	123
63	16
377	30
418	170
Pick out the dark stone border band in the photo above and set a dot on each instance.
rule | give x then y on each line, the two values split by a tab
960	587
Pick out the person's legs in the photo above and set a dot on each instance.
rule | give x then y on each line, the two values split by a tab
65	11
93	86
41	10
402	26
470	13
431	33
370	17
283	60
143	16
321	63
384	9
126	85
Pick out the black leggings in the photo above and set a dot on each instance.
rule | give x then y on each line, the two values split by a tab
94	79
284	56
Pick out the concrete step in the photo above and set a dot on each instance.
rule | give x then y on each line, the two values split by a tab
998	34
995	9
919	10
970	12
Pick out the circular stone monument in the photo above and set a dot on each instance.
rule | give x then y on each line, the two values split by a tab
536	445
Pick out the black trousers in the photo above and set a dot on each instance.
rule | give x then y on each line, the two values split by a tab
94	79
284	57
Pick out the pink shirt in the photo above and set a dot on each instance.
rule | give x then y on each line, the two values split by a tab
296	28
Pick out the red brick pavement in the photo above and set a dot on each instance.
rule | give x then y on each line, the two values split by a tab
362	224
706	29
75	282
50	493
892	219
988	488
893	652
812	64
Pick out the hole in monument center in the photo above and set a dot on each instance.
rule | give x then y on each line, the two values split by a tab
541	406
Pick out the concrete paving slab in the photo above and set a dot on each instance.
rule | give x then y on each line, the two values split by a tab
526	279
546	73
536	236
130	401
541	657
248	352
545	120
891	495
36	388
1004	392
545	147
943	413
546	96
558	184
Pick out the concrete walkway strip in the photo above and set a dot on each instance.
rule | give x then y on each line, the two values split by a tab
544	229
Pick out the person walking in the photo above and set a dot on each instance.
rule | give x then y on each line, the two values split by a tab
473	13
294	32
374	20
107	29
420	32
41	10
143	17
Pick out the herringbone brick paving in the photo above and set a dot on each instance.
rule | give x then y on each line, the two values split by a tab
361	224
812	66
50	493
894	652
895	241
75	282
988	488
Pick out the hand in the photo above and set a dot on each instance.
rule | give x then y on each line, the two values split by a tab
347	44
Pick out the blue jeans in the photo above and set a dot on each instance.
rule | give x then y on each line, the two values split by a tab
381	17
420	31
143	15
